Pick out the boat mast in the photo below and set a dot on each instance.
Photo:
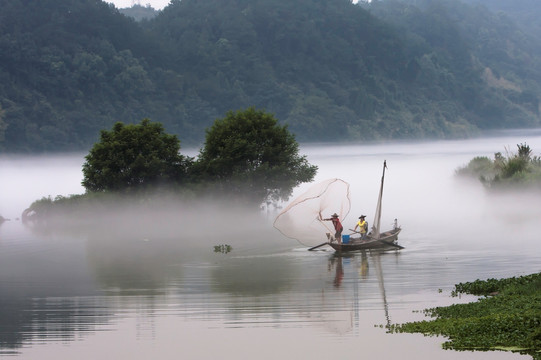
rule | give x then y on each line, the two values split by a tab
377	218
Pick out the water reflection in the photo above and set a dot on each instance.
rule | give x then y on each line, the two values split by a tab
336	262
116	275
254	276
106	279
133	265
360	264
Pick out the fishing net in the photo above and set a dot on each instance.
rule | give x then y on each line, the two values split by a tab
301	219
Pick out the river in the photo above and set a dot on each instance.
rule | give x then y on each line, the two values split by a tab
155	288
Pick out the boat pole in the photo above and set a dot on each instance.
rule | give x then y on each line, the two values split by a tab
315	247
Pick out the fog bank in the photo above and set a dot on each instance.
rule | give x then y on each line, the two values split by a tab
421	192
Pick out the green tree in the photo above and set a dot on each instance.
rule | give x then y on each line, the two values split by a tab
134	157
250	156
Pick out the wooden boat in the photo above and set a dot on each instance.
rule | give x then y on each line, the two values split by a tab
375	239
386	241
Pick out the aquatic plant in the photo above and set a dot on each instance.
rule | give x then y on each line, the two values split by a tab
506	317
224	249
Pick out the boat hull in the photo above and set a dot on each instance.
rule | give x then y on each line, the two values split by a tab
386	241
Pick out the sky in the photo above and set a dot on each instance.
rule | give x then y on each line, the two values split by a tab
156	4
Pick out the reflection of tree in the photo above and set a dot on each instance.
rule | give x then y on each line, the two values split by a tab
26	320
43	286
15	317
133	264
141	247
253	276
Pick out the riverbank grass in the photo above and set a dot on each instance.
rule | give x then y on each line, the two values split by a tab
507	316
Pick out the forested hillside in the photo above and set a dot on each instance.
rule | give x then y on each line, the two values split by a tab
493	67
525	13
331	70
69	68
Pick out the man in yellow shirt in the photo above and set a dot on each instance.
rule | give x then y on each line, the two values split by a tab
362	224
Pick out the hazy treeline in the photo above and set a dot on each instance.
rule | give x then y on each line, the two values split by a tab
519	170
525	13
331	70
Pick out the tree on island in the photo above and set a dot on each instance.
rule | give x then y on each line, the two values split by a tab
249	156
133	157
518	170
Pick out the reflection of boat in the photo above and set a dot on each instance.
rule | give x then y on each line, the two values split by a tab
375	239
361	259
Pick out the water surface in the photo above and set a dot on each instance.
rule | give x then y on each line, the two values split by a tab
154	288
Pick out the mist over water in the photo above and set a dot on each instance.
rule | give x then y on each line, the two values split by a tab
25	179
422	192
138	280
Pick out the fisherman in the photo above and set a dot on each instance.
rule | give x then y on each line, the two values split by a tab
362	224
337	226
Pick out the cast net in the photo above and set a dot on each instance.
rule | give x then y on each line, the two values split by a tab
301	219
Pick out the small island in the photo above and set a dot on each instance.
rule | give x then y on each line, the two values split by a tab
248	159
512	171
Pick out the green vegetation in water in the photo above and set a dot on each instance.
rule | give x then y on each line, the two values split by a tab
515	170
506	317
224	248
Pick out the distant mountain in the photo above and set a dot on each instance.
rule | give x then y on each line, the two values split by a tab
526	14
140	13
484	51
70	68
330	69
